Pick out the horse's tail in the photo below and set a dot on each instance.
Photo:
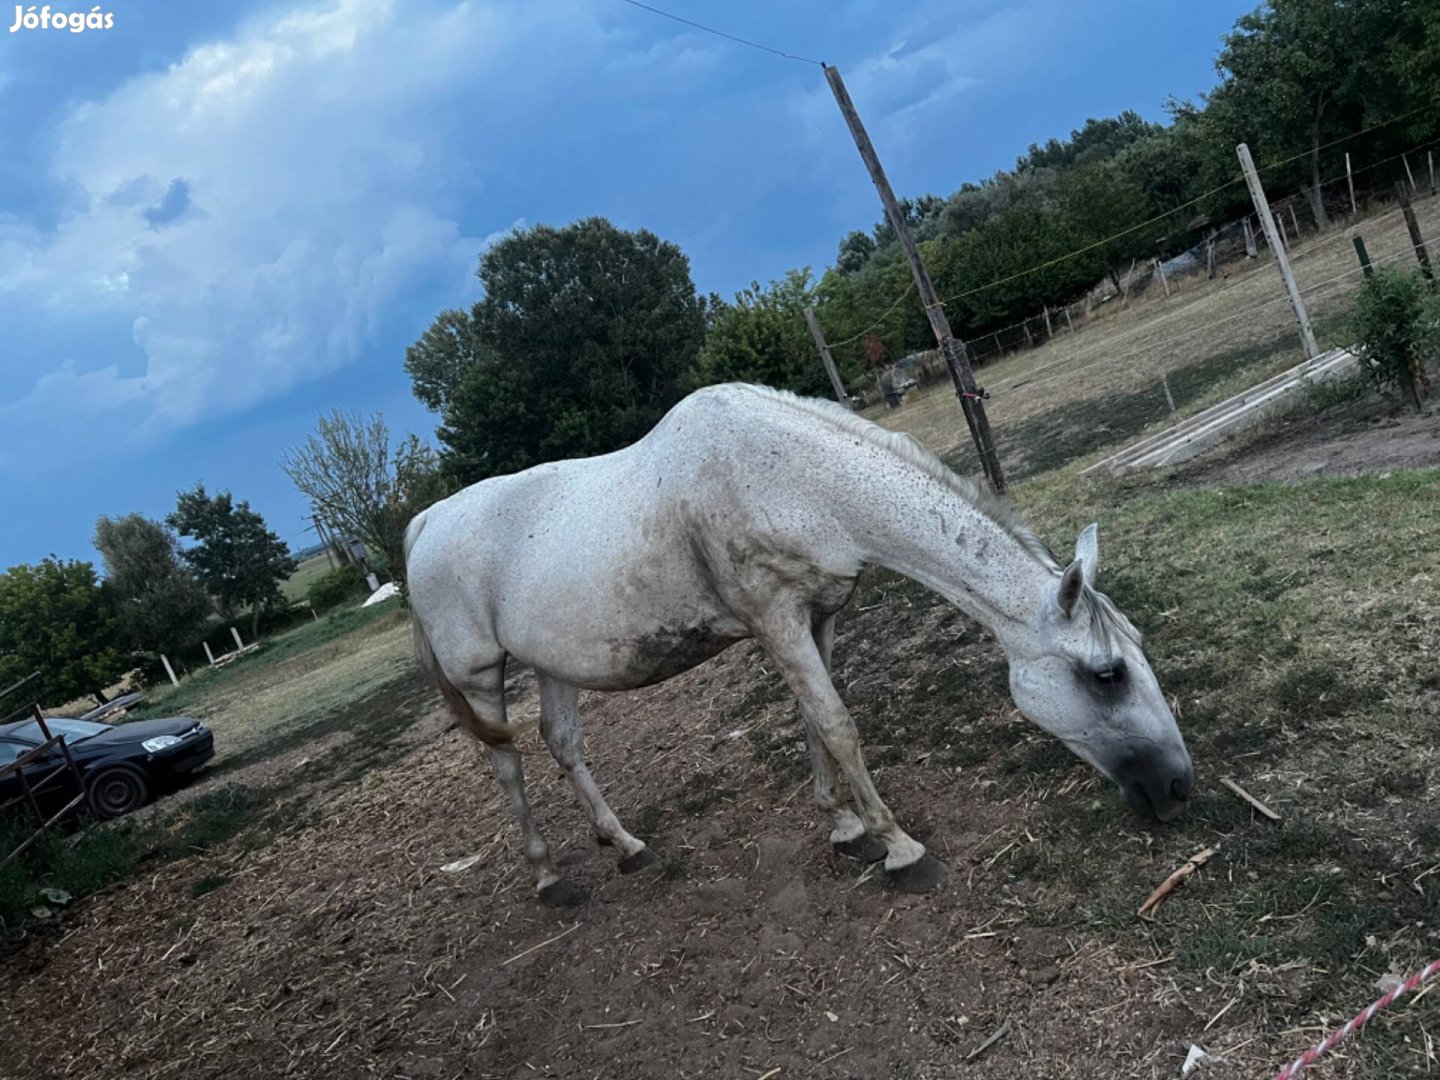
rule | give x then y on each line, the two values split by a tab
487	731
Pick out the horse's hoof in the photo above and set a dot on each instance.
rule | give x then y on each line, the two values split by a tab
563	894
925	874
864	847
639	861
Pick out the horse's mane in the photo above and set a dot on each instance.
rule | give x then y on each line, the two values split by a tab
909	450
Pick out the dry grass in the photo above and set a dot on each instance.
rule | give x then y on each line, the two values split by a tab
305	574
287	687
1232	332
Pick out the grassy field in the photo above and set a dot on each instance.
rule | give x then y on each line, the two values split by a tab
305	574
1101	386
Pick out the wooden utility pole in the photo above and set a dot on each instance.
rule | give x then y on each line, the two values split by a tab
324	540
1267	225
1416	240
956	357
825	357
1350	180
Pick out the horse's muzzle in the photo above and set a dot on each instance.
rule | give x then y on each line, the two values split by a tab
1156	785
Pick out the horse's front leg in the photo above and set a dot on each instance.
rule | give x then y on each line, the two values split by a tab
848	837
791	644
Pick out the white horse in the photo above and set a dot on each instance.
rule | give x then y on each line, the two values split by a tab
749	512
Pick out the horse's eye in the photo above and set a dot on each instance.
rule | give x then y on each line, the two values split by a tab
1111	676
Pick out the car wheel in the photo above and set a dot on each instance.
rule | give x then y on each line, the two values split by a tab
118	791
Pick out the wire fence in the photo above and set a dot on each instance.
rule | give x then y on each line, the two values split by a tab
1222	296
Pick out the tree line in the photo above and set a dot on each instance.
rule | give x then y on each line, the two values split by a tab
587	334
83	633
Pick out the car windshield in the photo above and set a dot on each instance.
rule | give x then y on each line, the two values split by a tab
71	730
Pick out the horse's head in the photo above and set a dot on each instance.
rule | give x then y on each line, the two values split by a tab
1077	671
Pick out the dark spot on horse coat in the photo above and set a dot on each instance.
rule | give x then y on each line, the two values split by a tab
670	650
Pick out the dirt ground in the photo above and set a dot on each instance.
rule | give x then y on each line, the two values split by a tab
343	948
1373	435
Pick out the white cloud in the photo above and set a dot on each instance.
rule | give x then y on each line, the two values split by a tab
318	185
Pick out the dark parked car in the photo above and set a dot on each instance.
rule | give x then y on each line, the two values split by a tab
122	765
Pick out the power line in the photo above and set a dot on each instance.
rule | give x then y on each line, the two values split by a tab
721	33
877	322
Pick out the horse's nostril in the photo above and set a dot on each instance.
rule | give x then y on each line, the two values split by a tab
1179	789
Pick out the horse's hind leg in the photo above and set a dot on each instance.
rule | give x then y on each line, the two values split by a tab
848	837
560	726
484	693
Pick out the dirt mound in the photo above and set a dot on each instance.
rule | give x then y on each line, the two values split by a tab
1373	435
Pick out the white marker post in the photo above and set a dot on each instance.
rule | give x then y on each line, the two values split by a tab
1267	224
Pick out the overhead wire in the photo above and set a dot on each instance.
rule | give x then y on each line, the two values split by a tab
722	33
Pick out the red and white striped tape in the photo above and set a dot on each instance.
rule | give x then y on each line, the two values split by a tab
1336	1037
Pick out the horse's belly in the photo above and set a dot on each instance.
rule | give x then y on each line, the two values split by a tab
658	656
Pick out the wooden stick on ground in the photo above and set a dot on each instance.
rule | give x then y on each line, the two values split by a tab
1256	803
534	948
1199	859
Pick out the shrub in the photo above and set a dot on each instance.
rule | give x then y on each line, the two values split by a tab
1395	326
335	588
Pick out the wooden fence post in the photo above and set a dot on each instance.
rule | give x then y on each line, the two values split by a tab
1411	175
169	670
1160	269
1350	180
956	358
208	654
1267	223
1416	240
1250	250
825	357
1049	333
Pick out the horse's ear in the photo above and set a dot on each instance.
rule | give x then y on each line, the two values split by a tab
1087	551
1071	584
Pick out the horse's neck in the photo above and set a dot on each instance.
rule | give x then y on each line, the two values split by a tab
908	521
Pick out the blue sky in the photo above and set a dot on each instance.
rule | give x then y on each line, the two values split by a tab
219	220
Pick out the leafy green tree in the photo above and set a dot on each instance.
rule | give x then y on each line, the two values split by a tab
240	561
1103	203
578	347
159	603
56	619
361	485
1303	73
439	360
855	252
762	338
1098	140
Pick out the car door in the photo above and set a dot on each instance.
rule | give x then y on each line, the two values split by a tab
50	796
